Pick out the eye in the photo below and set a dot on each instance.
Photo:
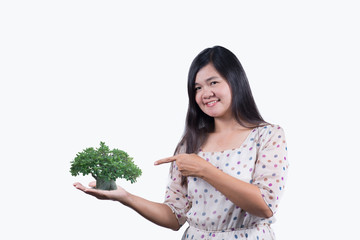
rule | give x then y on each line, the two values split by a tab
197	89
213	82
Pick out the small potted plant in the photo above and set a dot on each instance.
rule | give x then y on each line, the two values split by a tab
105	166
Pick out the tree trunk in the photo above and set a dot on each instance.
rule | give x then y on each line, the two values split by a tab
105	184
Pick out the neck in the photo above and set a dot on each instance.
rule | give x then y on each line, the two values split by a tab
227	125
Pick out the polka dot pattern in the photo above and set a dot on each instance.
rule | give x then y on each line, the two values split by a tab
260	160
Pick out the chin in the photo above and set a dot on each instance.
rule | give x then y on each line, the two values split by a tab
214	115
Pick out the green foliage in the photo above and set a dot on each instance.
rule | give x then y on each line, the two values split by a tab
105	164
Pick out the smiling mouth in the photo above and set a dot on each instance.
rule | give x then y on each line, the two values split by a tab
212	103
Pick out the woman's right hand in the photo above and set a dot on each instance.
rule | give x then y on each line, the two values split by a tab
158	213
116	195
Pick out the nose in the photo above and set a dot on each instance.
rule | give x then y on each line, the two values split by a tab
207	93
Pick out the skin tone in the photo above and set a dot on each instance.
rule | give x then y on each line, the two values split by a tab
213	95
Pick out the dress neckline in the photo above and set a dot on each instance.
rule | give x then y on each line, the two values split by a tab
232	149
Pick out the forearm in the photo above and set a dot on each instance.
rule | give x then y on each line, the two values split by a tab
245	195
158	213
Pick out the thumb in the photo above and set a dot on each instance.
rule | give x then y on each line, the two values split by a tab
92	184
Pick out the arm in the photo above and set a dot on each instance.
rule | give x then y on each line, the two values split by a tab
260	198
245	195
158	213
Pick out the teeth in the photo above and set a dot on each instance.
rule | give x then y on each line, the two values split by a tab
212	102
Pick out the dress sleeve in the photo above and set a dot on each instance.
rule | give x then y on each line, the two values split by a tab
176	196
272	166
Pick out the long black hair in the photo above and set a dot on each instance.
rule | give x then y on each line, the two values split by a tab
198	124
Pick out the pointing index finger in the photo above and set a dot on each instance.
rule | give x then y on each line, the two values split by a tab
165	160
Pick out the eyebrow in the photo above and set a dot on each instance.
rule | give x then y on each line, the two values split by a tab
208	79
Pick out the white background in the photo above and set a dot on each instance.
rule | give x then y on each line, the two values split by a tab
74	73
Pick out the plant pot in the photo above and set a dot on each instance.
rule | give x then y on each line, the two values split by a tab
105	184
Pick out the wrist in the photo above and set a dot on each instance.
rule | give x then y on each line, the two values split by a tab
206	170
125	199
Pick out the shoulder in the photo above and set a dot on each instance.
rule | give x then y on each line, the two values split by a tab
268	129
270	132
181	148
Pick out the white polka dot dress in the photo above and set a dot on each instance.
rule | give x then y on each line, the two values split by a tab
260	160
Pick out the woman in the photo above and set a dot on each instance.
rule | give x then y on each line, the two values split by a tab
229	170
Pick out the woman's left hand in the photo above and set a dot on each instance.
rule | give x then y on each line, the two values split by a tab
188	164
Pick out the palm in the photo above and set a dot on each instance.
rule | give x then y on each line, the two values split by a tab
118	194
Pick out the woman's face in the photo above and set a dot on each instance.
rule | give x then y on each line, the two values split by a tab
212	93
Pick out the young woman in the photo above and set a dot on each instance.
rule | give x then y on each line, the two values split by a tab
229	170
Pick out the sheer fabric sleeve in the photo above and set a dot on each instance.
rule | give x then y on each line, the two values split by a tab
272	166
176	196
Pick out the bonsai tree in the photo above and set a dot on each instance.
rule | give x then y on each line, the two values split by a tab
105	166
